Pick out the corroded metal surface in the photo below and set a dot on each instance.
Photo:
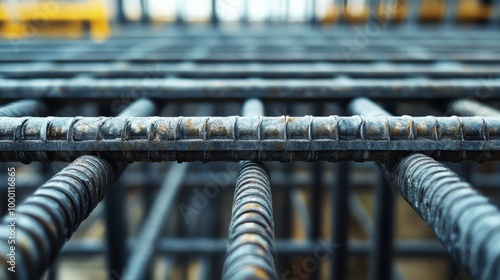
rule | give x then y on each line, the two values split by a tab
283	138
250	252
466	222
46	219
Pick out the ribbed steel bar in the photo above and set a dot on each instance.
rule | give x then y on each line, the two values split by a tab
23	108
174	88
466	222
283	138
383	234
467	107
251	249
45	220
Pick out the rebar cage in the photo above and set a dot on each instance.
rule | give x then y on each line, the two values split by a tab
294	127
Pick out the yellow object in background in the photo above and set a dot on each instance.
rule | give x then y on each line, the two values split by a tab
394	11
54	18
473	10
432	10
356	11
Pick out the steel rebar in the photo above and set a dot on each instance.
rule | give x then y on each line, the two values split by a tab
466	222
381	263
250	252
467	107
23	108
251	249
46	219
283	138
174	88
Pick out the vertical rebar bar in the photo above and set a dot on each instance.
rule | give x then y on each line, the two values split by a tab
114	202
382	254
251	250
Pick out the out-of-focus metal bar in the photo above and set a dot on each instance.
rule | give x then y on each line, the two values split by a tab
46	219
250	249
210	246
283	138
240	70
145	244
116	226
467	107
340	224
466	222
214	18
381	257
171	88
23	108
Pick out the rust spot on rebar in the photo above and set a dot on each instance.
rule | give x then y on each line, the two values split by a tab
56	133
251	205
260	273
191	127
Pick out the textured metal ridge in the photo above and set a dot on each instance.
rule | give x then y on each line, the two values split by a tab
235	138
250	252
46	219
466	222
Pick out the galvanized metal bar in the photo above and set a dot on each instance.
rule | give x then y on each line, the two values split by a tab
468	107
250	248
172	88
146	242
235	138
46	219
23	108
465	221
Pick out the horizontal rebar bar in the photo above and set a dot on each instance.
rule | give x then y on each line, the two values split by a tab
45	220
466	222
283	138
23	108
467	107
173	88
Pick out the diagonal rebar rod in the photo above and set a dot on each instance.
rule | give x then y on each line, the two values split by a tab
283	138
465	221
467	107
23	108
